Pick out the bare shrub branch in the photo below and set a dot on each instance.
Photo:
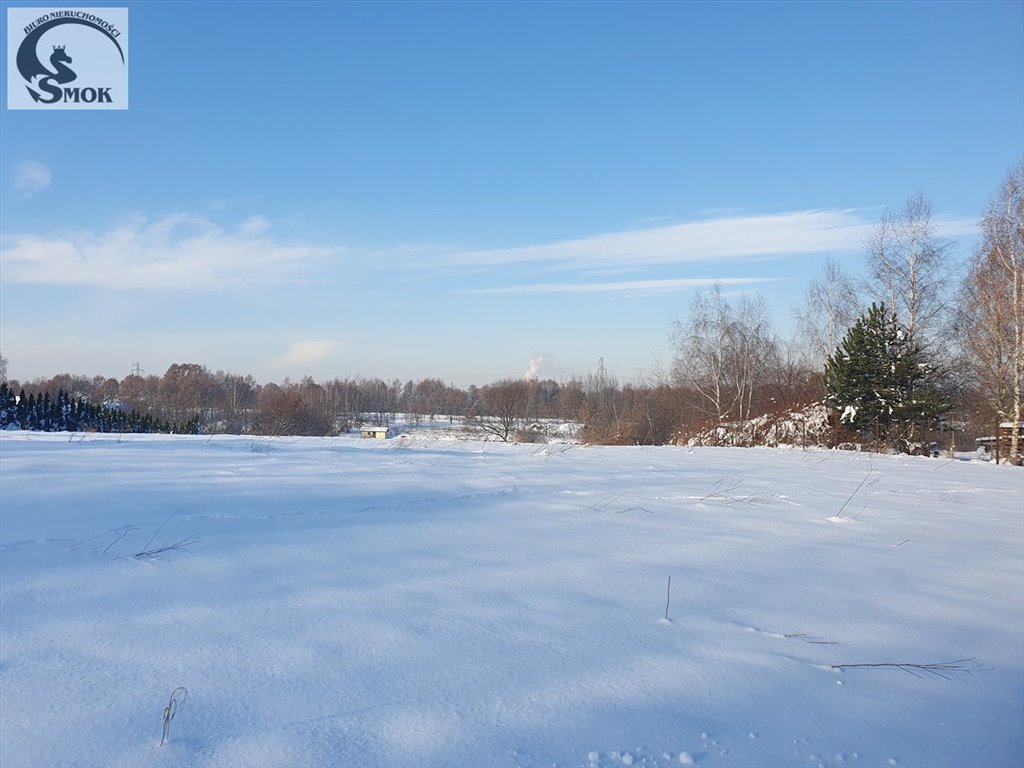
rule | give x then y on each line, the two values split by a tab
941	669
180	545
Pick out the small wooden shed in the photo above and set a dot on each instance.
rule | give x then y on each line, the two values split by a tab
374	432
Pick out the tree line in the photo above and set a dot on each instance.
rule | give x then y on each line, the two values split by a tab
919	350
221	402
38	411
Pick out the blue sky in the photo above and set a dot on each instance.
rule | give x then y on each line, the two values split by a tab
423	189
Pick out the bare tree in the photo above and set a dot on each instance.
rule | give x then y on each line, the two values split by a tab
755	351
830	307
319	412
291	409
104	389
602	408
3	368
724	352
907	267
140	393
650	415
571	399
793	381
238	399
701	357
348	397
186	390
501	408
991	306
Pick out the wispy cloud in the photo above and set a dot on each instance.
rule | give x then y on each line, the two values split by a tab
193	252
179	251
31	177
729	238
255	225
304	352
949	227
627	286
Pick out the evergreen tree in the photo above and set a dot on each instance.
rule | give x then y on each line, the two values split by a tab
42	412
881	385
47	421
8	405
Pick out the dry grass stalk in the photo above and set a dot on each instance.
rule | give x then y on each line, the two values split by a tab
171	710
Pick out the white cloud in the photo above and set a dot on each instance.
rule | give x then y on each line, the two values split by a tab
255	225
31	177
304	352
945	227
730	238
179	251
627	286
191	252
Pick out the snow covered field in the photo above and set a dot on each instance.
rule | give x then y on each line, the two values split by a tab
425	603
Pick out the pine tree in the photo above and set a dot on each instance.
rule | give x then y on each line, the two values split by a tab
881	385
46	409
8	406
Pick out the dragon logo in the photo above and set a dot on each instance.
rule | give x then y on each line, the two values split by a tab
47	84
62	75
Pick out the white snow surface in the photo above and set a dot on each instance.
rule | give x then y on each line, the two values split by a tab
424	603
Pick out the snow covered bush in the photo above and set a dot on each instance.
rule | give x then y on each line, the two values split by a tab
807	427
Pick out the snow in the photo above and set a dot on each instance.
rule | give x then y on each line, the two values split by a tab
806	427
422	603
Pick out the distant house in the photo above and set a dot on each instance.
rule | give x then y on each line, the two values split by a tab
373	433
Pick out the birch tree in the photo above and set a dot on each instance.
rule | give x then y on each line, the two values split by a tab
830	307
724	352
991	307
907	267
701	353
